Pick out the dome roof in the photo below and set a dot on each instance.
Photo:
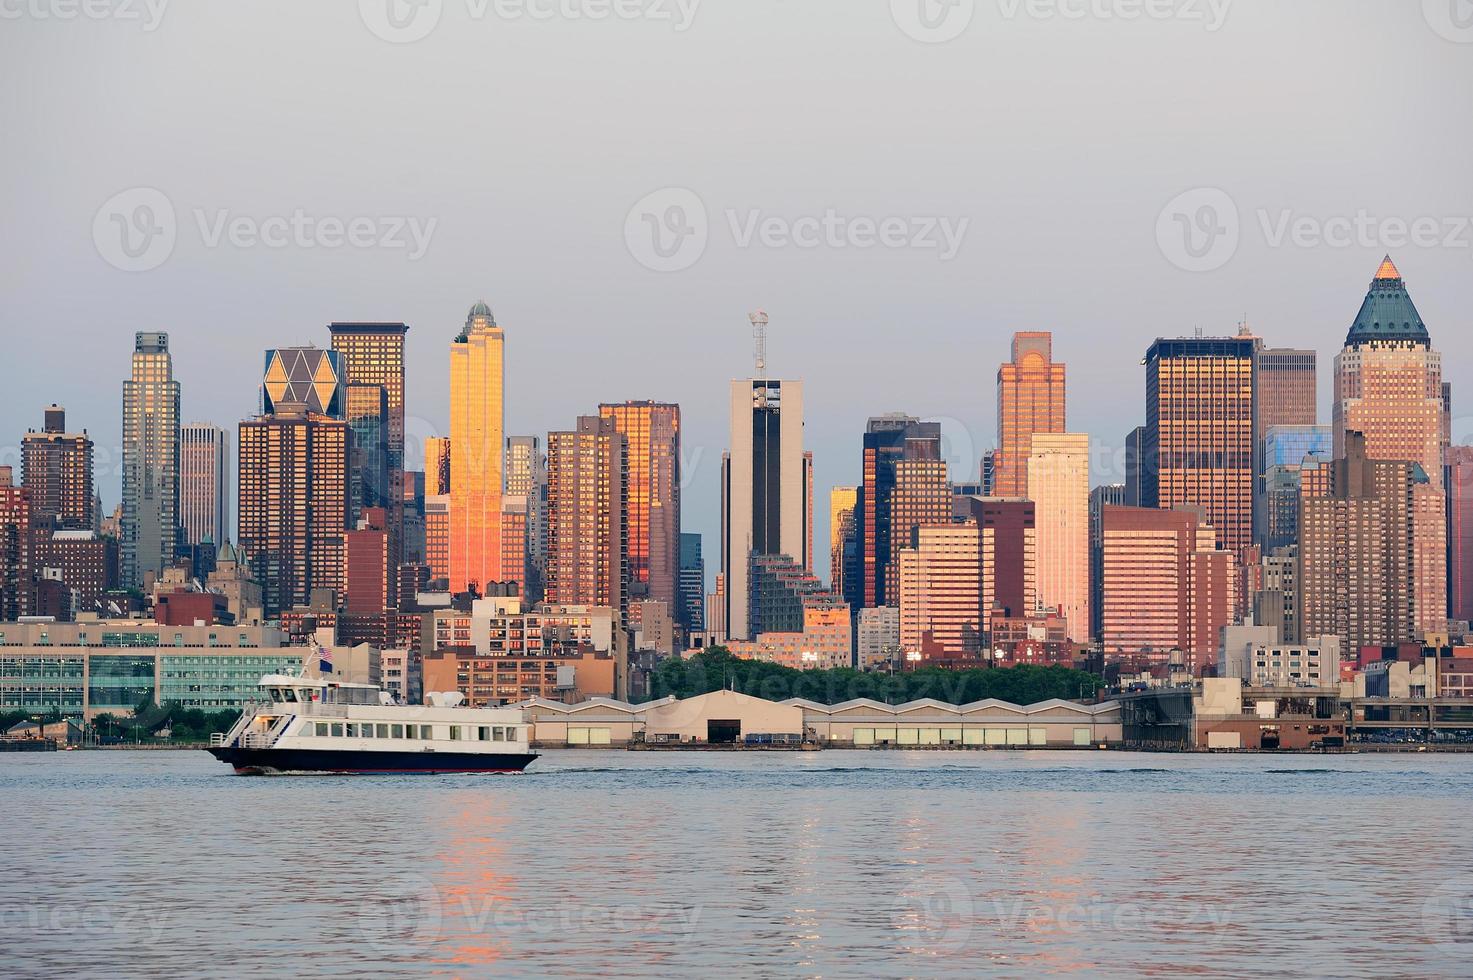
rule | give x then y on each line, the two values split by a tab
1388	313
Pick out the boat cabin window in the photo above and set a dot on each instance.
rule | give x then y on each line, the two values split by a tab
322	728
397	730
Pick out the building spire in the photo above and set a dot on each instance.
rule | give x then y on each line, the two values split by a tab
1388	270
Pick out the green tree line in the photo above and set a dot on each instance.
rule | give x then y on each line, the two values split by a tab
716	668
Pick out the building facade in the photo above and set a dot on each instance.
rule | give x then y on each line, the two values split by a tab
587	544
1058	485
477	410
1030	399
204	484
150	524
56	466
651	433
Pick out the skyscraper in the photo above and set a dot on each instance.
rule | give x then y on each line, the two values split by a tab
691	609
1458	479
651	433
1287	387
526	476
56	467
204	483
941	585
1168	587
1388	387
1058	485
842	539
1110	494
16	542
150	461
1030	398
764	487
366	409
587	546
437	466
887	440
921	497
373	356
1357	548
303	379
294	502
1199	446
477	376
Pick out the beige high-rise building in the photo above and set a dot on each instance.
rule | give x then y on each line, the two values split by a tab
1388	387
1030	398
477	375
921	497
651	433
587	543
1058	485
941	585
1357	551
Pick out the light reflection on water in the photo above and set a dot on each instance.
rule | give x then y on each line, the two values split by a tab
825	864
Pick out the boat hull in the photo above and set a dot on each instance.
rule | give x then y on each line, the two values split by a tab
269	762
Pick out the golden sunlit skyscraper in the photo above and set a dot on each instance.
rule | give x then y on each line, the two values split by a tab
1058	485
477	375
437	466
651	432
1030	398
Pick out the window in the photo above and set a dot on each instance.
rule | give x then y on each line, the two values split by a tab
383	731
484	733
367	730
322	728
513	734
337	730
455	733
498	734
397	731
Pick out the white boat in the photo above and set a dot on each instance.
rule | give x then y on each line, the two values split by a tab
307	724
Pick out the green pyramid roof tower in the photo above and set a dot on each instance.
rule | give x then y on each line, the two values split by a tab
1388	313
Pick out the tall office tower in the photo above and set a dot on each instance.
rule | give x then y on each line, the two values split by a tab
414	520
1458	479
1168	587
842	537
764	485
437	537
515	556
150	461
1135	441
437	466
1009	543
1110	494
373	355
1287	387
1030	398
293	504
887	439
651	432
941	585
1388	387
989	472
587	547
204	483
1357	549
1058	485
690	608
1199	445
15	548
1284	451
477	376
808	510
368	584
921	497
56	466
526	476
366	408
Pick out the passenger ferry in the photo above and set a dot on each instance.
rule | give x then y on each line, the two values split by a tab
311	725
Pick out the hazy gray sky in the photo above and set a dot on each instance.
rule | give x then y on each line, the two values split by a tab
1058	132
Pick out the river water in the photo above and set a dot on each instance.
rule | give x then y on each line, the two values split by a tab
833	863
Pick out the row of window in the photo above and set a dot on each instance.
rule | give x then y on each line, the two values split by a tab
427	733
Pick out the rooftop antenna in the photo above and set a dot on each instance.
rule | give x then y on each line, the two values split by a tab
759	341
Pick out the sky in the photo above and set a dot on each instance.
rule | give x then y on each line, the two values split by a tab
900	184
